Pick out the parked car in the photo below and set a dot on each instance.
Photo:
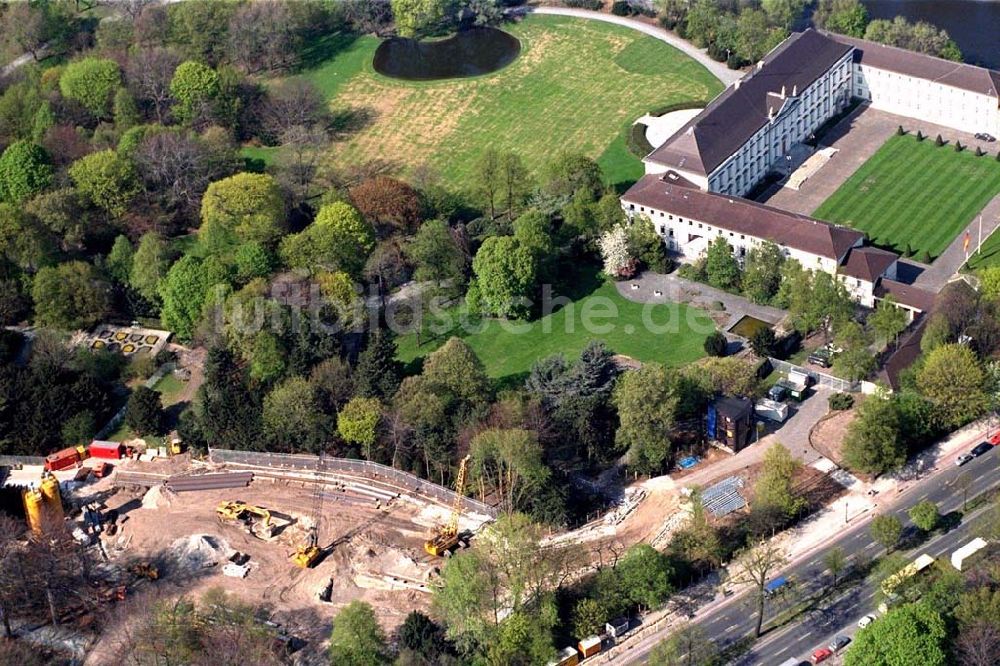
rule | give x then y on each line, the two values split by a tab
821	654
981	448
995	439
983	136
821	357
964	458
839	643
865	621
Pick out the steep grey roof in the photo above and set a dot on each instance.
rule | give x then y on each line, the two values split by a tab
868	263
743	216
742	109
919	65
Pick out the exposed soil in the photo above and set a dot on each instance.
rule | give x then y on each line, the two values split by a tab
827	436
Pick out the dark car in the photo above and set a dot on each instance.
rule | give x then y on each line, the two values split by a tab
983	136
981	448
839	643
821	357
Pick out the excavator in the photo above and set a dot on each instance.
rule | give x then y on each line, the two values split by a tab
256	519
445	538
308	553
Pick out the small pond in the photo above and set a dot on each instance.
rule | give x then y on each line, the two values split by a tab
467	53
747	326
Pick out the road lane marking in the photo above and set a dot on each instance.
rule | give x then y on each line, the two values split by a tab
728	629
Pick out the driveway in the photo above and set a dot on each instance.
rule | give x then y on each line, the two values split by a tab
721	72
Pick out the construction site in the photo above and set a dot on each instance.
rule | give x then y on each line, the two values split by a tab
298	535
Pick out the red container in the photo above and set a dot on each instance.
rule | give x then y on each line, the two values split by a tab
106	450
62	459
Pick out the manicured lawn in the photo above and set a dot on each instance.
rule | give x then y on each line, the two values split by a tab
575	85
169	388
509	354
914	193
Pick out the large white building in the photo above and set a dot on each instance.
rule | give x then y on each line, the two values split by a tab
694	181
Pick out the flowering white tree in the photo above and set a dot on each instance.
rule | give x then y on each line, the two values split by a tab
618	260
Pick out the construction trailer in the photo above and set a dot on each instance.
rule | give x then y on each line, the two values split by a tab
617	627
107	450
589	646
568	656
445	540
771	410
65	458
961	556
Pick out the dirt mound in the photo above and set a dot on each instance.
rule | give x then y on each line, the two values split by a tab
158	497
199	551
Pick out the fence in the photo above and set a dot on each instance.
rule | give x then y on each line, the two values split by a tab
822	379
15	461
356	468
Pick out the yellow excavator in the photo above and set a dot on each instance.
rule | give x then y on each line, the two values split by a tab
306	554
445	538
256	519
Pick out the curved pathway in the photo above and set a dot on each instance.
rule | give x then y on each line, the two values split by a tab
721	72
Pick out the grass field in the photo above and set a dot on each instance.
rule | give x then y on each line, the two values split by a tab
509	355
914	193
990	255
576	85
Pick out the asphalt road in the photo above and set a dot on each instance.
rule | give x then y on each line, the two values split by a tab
735	619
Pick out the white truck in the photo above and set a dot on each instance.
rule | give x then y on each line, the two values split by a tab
771	410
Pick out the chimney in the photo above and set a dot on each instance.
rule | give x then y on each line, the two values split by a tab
770	113
782	92
795	90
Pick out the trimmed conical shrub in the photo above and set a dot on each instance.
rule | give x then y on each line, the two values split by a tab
938	141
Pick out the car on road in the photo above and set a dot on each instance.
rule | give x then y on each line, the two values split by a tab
983	136
964	458
822	654
995	439
839	643
981	448
865	621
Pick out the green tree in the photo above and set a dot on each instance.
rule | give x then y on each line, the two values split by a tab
505	273
252	260
25	170
91	82
645	574
647	406
23	242
437	256
716	344
721	268
292	416
183	294
774	491
195	86
952	379
414	17
886	530
924	515
150	266
455	372
909	634
69	296
422	636
119	260
508	464
106	178
836	561
763	342
888	320
689	645
588	618
357	638
267	357
144	411
856	361
872	444
762	276
646	245
240	208
755	565
126	113
848	17
573	175
378	373
339	239
357	423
